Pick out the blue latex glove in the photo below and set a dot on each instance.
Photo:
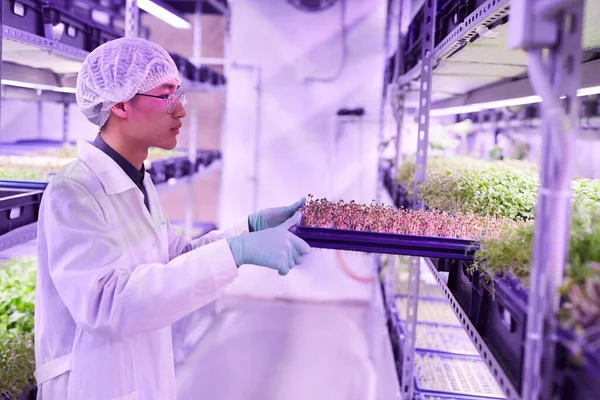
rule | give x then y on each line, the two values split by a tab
272	217
276	248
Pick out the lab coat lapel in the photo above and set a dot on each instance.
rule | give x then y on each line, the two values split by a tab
115	181
113	178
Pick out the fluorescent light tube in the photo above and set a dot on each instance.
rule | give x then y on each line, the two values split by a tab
163	14
485	106
37	86
503	103
588	91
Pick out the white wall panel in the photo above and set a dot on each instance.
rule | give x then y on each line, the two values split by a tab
19	120
79	126
302	149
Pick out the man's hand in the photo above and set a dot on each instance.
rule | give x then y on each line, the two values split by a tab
272	217
276	248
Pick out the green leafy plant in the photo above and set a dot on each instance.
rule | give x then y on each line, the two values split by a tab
17	293
511	250
17	306
500	188
17	361
15	174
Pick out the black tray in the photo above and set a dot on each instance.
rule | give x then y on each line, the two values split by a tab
18	207
23	14
185	66
27	185
206	157
39	17
398	193
203	74
466	289
158	171
387	243
502	324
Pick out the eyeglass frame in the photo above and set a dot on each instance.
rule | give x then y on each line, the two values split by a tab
168	97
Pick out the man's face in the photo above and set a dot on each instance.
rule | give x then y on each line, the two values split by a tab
149	123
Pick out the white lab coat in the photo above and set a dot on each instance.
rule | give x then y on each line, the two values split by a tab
111	280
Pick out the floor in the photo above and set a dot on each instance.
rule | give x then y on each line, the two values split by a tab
279	350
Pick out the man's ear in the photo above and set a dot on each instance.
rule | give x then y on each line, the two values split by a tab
120	110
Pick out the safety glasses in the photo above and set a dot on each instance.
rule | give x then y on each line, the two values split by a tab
172	99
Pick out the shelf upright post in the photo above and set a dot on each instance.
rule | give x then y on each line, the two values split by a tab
193	115
420	168
556	26
132	18
408	350
398	93
65	132
424	97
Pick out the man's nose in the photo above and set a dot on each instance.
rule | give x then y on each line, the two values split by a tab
179	110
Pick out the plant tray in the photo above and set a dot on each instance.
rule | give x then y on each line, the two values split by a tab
386	243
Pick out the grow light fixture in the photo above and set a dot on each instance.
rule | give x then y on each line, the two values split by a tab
520	101
485	106
160	11
37	86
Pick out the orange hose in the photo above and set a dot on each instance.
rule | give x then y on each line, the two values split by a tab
347	270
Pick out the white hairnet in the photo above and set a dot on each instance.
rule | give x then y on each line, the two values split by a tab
116	71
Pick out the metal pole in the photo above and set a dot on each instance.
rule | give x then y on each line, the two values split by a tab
398	92
255	177
257	128
408	350
420	168
559	77
132	19
193	127
386	50
398	105
40	120
65	135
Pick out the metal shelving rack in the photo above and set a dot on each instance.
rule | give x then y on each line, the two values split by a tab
50	69
535	27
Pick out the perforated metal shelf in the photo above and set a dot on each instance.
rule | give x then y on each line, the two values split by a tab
455	375
487	356
425	290
446	339
429	311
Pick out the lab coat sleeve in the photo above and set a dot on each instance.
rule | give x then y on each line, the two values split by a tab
104	293
179	244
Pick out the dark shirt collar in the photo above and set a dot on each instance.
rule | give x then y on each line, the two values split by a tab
136	176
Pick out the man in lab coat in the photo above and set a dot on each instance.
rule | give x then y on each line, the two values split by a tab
113	274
